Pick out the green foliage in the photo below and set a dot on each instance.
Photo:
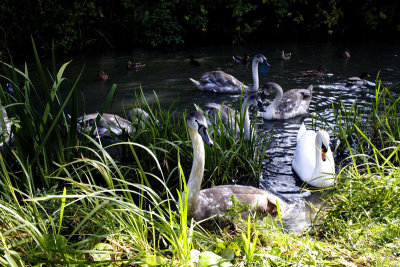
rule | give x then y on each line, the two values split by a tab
77	25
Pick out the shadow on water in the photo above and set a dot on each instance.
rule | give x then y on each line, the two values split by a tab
167	73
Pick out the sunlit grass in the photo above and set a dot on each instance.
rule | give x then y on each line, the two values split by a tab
67	199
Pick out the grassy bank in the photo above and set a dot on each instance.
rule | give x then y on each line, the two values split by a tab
66	200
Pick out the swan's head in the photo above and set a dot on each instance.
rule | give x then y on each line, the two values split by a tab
261	59
254	100
270	87
322	143
197	121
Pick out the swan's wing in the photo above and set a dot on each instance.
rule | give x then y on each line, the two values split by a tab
295	101
301	131
219	79
218	200
289	101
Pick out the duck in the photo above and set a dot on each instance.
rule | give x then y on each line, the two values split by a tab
103	76
290	104
346	54
315	73
217	201
134	65
108	125
193	62
241	60
221	82
286	56
357	81
313	160
231	117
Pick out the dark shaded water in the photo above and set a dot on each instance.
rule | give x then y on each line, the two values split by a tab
167	73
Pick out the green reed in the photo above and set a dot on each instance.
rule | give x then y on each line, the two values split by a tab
40	126
364	131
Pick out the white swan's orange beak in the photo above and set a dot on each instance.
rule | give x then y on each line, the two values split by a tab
324	149
323	156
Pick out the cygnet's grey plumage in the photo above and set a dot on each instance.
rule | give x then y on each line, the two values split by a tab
286	105
216	201
221	82
231	117
107	125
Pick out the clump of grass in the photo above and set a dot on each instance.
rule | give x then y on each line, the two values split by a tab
362	212
379	121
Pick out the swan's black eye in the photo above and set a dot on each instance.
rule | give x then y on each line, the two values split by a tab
324	149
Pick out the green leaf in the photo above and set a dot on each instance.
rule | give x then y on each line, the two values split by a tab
154	260
228	254
101	256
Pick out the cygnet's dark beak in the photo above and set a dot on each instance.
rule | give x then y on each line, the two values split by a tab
204	134
263	95
260	106
266	63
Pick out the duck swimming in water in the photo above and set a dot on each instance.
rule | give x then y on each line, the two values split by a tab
286	105
315	73
286	56
357	81
313	160
231	117
221	82
241	60
134	65
346	54
217	201
193	62
103	76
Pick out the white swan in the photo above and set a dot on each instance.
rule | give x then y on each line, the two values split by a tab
107	125
221	82
286	105
313	160
231	117
216	201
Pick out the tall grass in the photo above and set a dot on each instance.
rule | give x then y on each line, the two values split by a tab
65	199
367	131
364	207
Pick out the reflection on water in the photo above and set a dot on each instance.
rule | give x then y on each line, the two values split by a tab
167	74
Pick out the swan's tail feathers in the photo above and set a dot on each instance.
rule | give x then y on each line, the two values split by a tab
301	131
197	83
286	209
310	88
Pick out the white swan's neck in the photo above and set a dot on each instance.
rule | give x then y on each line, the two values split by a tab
246	126
318	159
277	100
196	174
322	174
254	72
